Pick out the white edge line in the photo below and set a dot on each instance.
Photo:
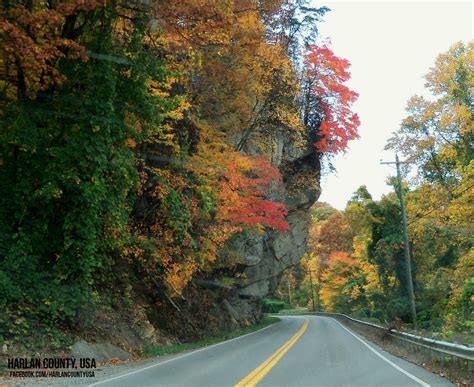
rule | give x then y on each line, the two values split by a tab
180	357
421	382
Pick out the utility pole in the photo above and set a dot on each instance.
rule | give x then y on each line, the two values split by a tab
411	293
312	290
289	292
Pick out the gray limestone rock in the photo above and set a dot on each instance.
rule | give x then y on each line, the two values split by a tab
266	256
259	258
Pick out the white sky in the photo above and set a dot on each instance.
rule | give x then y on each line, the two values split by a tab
391	46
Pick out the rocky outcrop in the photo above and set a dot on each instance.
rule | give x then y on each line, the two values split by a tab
231	296
268	255
264	257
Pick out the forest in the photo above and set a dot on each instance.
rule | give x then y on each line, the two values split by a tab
137	140
356	259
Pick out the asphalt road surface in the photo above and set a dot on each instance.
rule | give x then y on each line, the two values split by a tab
298	351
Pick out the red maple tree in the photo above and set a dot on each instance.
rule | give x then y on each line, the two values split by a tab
336	123
244	191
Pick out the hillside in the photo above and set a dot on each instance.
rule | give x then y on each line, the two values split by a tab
157	162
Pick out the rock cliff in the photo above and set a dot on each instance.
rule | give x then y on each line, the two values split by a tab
262	257
253	262
266	256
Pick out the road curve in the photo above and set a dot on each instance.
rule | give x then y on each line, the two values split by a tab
298	351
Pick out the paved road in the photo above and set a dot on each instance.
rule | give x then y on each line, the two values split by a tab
298	351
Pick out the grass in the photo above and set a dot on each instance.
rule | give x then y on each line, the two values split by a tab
294	311
226	335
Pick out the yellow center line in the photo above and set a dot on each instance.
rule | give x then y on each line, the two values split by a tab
259	373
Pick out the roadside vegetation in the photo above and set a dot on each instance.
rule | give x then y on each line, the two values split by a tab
137	139
227	335
356	262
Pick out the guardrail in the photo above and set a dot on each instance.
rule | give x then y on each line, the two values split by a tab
454	359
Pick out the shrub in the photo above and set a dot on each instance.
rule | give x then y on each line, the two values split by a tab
273	306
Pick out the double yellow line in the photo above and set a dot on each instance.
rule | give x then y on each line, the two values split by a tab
259	373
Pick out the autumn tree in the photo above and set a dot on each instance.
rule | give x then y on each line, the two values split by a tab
341	286
437	138
139	138
76	78
333	234
209	183
327	101
292	24
366	276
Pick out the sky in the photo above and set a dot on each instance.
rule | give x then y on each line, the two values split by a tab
391	46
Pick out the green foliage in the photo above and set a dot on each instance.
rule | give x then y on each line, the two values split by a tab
207	202
460	316
371	283
273	306
302	295
178	215
68	176
123	147
322	212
